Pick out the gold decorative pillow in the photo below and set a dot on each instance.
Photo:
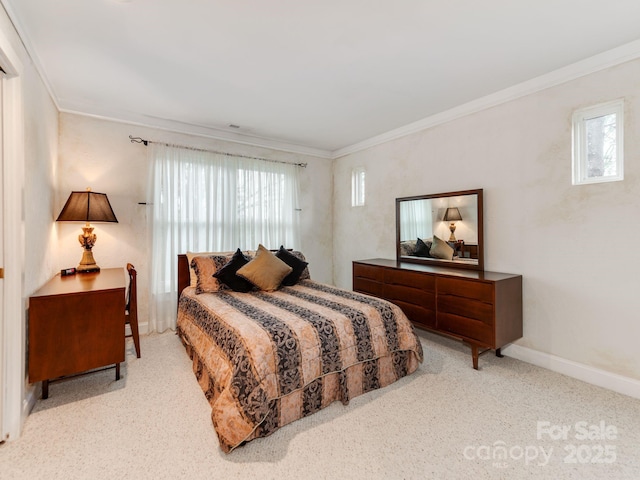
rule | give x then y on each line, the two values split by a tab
265	271
204	268
441	249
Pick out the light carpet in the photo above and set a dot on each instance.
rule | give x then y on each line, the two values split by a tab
509	420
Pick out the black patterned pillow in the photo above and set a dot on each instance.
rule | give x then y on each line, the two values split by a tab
227	274
305	275
423	248
298	265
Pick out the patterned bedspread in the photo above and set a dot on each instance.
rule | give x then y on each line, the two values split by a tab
267	359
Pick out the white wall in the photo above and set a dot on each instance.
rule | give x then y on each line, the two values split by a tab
35	119
577	247
97	153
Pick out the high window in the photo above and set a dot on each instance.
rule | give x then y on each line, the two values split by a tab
357	186
598	143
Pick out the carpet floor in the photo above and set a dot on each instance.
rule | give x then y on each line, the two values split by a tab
509	420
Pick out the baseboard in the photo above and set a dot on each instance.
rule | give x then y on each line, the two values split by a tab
28	402
595	376
143	329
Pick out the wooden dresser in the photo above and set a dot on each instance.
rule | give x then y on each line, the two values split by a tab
76	323
483	309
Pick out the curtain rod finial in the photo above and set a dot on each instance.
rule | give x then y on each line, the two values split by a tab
138	140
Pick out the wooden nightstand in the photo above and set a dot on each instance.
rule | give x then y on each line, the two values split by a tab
76	323
468	250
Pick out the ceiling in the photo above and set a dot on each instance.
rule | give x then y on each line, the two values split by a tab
314	76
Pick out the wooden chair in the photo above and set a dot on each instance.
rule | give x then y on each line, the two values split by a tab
131	309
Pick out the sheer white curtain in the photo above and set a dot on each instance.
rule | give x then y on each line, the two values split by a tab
204	201
415	219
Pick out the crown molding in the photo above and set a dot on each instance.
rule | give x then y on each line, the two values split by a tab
29	50
174	126
610	58
150	121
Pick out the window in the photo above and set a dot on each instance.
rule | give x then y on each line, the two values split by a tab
597	143
213	202
357	187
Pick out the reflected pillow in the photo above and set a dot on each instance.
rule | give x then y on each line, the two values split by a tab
295	263
227	274
407	248
265	271
440	249
423	249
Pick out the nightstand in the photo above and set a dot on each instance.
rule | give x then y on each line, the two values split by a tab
468	250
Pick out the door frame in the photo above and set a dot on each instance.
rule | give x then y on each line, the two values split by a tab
13	406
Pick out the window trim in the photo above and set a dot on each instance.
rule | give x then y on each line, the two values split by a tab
578	132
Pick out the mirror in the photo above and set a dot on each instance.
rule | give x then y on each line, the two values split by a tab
443	229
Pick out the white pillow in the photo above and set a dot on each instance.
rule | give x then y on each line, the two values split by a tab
441	249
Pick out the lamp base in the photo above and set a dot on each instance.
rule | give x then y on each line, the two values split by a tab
87	264
452	227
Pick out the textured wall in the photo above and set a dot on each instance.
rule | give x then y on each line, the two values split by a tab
33	176
98	154
41	152
576	246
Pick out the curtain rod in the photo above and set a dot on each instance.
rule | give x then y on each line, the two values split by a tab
147	142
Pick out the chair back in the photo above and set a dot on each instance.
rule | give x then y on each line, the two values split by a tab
132	293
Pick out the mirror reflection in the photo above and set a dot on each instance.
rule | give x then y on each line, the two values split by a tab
444	228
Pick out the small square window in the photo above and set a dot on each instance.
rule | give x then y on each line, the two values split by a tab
357	187
598	143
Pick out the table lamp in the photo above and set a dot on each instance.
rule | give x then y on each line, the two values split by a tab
87	207
452	215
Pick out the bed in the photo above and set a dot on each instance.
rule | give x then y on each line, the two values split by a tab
267	358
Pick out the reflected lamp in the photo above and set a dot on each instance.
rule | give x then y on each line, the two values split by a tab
452	215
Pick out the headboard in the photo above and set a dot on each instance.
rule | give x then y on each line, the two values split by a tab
184	277
183	273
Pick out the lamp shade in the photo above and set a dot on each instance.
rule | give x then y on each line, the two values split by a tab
452	215
87	207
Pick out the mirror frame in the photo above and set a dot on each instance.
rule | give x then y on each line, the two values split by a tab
444	263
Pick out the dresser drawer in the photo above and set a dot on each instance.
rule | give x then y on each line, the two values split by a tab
410	295
368	271
466	288
465	307
466	327
365	285
421	316
466	317
413	280
418	305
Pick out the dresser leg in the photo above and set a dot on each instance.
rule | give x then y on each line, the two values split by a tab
45	389
499	353
474	354
117	371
